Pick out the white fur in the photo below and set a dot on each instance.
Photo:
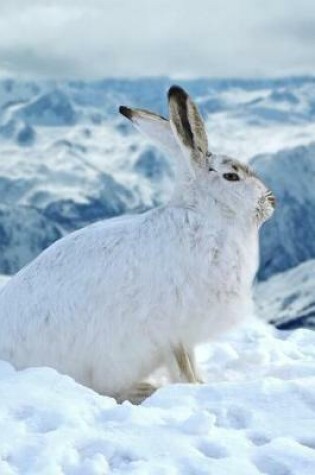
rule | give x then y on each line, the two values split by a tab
107	304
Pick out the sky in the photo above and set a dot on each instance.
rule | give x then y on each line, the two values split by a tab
92	39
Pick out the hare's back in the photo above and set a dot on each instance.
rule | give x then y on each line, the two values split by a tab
71	270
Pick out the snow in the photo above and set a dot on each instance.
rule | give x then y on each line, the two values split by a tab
4	279
255	415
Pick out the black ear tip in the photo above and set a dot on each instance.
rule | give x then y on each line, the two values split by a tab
177	92
125	111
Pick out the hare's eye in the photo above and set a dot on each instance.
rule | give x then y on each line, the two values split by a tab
231	176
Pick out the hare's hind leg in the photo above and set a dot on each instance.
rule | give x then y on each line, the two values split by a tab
185	361
138	393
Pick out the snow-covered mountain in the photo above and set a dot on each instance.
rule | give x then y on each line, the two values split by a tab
24	232
50	109
67	158
288	299
289	238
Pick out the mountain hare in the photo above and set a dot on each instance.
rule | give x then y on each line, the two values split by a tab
112	302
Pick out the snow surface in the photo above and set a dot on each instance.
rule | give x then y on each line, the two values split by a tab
4	279
255	415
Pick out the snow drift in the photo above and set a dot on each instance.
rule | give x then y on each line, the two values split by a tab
255	415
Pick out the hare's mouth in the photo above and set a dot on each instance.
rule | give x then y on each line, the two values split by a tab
266	206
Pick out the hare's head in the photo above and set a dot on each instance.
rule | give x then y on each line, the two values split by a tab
205	175
238	188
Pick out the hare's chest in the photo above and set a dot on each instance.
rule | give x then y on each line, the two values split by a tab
233	263
221	294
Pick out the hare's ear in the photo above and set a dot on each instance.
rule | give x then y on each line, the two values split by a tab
155	127
188	126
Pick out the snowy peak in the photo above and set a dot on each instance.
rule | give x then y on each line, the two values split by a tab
50	109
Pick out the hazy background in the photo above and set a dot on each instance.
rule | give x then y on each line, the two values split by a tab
101	38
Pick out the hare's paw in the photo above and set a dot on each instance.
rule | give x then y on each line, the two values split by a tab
138	393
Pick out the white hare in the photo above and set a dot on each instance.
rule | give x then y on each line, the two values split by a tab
112	302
